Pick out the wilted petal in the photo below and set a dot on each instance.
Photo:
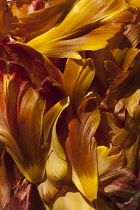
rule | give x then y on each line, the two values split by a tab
125	190
124	84
77	77
116	181
129	138
81	148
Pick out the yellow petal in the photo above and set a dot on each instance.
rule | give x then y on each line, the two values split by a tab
52	115
107	164
134	3
31	26
56	164
21	114
81	141
86	33
71	199
77	77
131	103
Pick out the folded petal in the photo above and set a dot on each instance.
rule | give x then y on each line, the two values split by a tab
77	77
90	32
128	137
31	26
81	149
123	83
57	168
47	191
109	163
37	65
116	180
21	118
52	92
52	115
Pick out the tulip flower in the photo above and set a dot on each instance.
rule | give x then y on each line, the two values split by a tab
69	104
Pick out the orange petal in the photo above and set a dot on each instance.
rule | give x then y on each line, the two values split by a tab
77	77
21	114
81	141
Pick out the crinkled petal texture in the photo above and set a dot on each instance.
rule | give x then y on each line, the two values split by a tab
123	72
128	138
77	77
116	180
107	164
81	148
21	117
96	22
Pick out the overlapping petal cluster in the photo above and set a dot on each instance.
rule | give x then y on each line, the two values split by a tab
69	104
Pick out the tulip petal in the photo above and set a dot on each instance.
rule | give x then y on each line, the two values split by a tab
52	92
47	191
69	37
125	83
52	115
131	104
77	77
116	181
56	165
108	163
71	199
21	113
37	65
129	136
30	26
81	149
